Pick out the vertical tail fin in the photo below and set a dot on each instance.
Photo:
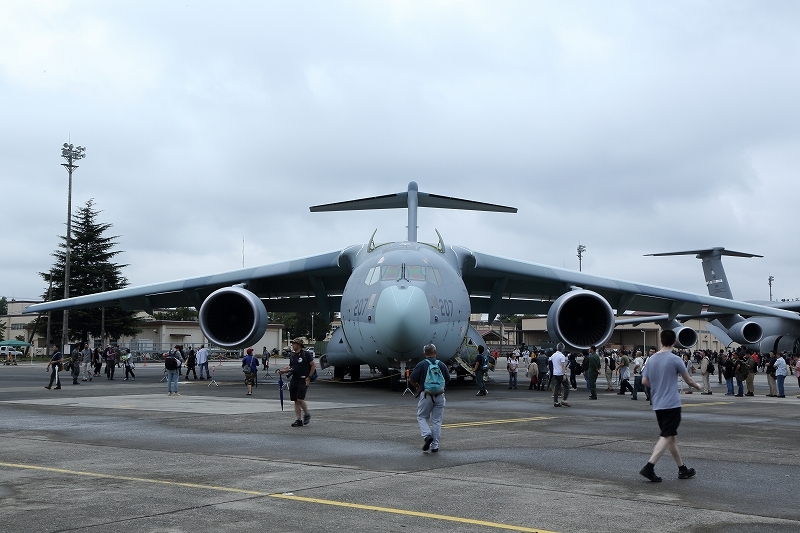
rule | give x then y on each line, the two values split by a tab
716	280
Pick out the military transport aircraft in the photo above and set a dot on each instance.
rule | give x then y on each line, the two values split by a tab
762	333
396	297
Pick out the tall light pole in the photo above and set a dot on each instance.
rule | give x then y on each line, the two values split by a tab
71	154
770	280
581	249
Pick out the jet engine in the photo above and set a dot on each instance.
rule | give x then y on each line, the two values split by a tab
233	318
580	319
745	332
685	337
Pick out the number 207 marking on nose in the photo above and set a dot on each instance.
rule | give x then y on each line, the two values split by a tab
446	307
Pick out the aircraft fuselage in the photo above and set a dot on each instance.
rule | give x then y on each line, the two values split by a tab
399	297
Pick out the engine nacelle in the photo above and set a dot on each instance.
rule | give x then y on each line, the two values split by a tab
580	319
233	318
685	337
745	332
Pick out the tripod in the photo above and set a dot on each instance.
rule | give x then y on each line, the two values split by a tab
407	373
213	381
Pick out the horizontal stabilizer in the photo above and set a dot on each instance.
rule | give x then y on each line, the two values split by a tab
411	199
707	252
400	201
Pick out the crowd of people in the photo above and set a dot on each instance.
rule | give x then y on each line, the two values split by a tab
552	370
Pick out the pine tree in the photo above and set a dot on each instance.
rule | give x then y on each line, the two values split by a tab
91	271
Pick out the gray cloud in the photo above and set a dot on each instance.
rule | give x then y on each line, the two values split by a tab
631	128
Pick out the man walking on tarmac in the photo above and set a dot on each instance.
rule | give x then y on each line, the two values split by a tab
661	374
430	378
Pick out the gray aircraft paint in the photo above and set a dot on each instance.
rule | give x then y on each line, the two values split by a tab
384	323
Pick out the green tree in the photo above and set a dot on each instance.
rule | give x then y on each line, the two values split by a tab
299	324
91	271
186	314
2	331
3	306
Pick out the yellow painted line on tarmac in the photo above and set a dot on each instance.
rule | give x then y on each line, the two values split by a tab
137	479
406	512
285	496
490	422
704	404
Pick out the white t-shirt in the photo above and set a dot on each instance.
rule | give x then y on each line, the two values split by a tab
558	360
638	362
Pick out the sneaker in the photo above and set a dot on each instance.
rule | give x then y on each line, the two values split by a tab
649	472
176	393
435	450
706	393
47	387
169	394
564	404
306	419
427	445
592	397
297	423
634	398
685	473
57	387
556	405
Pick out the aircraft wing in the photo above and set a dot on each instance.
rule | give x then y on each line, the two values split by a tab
497	284
312	283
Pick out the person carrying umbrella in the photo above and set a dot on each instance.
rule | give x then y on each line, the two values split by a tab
54	367
302	367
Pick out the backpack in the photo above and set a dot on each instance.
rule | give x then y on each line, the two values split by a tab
710	367
612	364
434	381
485	363
170	363
744	369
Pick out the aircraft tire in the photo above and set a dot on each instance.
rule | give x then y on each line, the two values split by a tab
339	372
394	380
355	372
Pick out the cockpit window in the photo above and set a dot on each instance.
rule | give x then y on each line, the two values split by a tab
373	275
403	271
391	272
415	272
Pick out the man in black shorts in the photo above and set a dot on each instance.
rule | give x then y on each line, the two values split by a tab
661	375
302	367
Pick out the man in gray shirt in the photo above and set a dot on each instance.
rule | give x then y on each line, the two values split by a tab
661	375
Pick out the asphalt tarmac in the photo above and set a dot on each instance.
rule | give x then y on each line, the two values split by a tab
108	456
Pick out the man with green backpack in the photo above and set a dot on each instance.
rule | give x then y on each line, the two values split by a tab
430	378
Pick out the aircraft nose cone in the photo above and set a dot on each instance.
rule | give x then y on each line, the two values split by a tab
402	318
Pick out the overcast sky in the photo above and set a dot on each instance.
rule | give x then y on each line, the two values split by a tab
629	127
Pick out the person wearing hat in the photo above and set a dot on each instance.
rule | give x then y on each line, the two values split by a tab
301	364
250	369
